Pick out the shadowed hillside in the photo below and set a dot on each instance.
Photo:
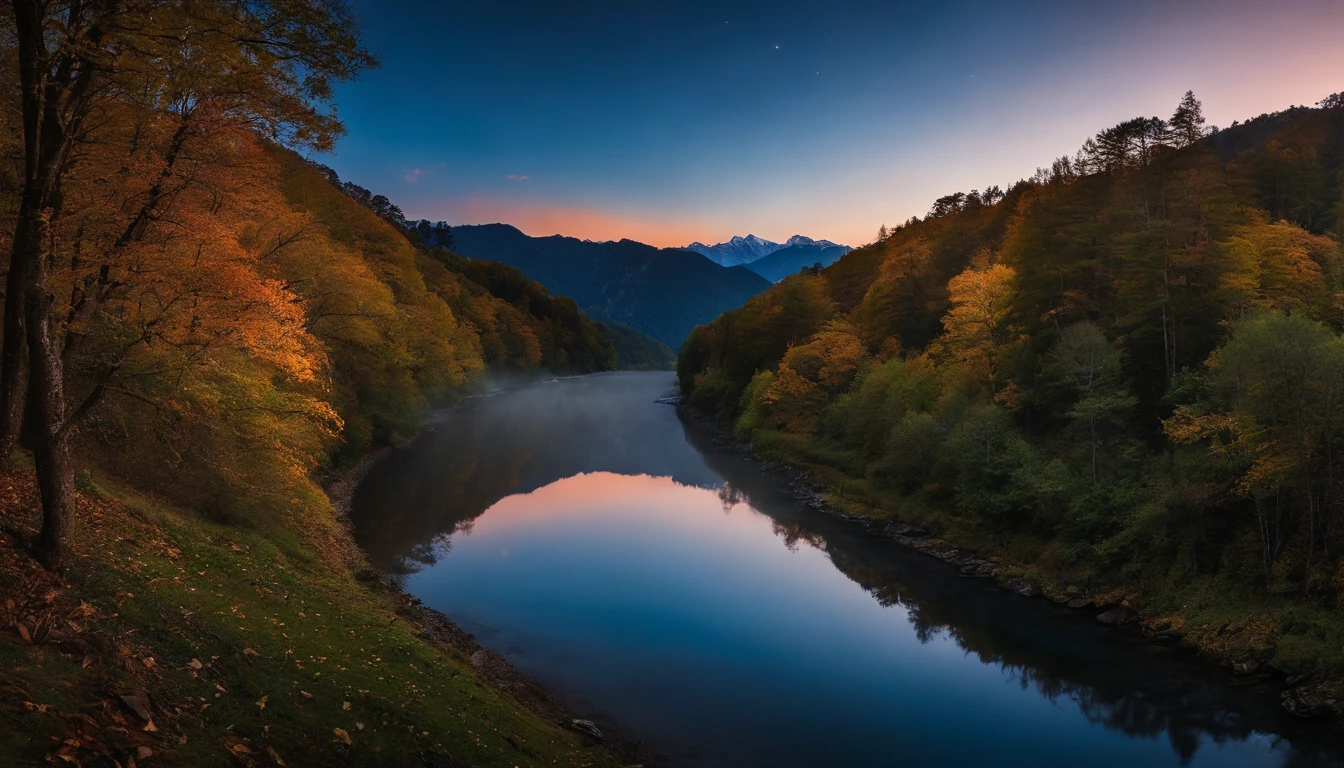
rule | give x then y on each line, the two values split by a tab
662	292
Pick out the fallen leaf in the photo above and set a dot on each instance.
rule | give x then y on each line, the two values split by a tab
262	704
138	701
86	662
271	751
250	652
345	706
195	664
150	727
144	753
342	735
305	694
23	632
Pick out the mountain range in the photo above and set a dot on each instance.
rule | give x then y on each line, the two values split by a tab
789	260
771	260
664	292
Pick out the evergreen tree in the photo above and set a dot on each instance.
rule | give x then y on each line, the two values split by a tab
1187	123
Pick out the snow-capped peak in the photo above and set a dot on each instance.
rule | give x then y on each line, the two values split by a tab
748	249
804	240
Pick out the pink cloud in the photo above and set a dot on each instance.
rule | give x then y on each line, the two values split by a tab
415	174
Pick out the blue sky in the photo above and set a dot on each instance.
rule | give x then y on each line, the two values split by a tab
669	122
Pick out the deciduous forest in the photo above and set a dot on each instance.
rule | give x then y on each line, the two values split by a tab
200	325
1122	375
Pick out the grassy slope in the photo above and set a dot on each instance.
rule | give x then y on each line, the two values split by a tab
290	649
1224	623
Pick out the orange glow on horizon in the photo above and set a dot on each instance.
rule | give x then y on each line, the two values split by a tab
544	219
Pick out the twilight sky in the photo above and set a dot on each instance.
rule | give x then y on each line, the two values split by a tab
668	122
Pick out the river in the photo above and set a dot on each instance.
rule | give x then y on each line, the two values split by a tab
666	585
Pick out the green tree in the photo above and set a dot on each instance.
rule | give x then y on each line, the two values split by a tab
1276	390
1090	364
1187	122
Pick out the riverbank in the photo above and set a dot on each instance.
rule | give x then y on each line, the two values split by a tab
435	627
174	640
1237	636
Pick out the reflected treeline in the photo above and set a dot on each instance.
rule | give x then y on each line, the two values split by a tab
413	501
411	506
1115	679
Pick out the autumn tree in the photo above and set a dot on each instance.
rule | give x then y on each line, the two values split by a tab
977	326
269	65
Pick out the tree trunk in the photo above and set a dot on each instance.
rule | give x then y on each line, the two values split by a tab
13	347
54	103
55	475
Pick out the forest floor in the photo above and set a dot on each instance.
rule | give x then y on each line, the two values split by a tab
1268	637
174	640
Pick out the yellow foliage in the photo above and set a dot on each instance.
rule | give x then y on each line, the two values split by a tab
976	327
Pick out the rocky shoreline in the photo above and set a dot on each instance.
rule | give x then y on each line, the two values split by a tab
1302	696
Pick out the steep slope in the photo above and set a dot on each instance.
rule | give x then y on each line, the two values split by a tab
792	259
638	351
662	292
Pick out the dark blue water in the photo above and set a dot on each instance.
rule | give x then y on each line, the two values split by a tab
666	586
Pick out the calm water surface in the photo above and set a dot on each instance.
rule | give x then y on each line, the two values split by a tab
663	584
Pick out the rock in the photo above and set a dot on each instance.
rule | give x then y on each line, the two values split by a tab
1307	701
901	529
479	658
941	550
1023	587
1078	603
1245	667
1118	617
979	569
585	727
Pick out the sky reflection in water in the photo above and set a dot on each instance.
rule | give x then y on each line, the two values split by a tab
623	559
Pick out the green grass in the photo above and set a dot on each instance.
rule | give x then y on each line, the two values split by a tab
290	649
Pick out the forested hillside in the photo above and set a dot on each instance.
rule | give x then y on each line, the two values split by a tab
794	258
197	325
662	292
1123	373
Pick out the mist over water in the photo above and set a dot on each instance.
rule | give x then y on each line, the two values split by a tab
666	585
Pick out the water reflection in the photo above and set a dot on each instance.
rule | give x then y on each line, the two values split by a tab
626	559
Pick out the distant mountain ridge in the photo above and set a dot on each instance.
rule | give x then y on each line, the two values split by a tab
741	251
789	260
735	252
664	292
